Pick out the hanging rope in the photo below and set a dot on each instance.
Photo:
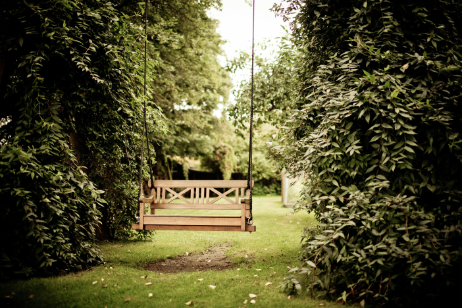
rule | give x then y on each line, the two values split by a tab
145	70
249	174
145	127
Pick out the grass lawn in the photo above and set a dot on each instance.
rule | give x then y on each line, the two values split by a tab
275	244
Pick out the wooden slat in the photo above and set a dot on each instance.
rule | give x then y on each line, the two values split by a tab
208	194
141	213
242	192
158	195
237	195
192	195
194	228
196	220
189	206
242	217
202	183
163	195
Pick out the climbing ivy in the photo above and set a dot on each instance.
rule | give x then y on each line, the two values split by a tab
376	134
70	91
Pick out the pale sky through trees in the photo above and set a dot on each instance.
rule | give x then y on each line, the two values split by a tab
236	28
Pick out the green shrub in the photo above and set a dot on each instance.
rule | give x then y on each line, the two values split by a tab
69	90
264	188
376	132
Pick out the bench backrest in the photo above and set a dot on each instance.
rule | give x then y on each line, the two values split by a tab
200	191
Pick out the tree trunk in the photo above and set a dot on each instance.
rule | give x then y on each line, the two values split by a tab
103	232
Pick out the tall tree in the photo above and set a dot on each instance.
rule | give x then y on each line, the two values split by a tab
188	82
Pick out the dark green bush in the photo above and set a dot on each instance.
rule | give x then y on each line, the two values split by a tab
70	123
376	133
263	188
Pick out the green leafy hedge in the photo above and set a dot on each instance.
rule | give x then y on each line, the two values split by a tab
70	91
376	133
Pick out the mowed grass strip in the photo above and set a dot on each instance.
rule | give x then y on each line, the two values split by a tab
273	248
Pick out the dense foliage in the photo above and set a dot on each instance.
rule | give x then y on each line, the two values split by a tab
70	93
375	133
274	93
188	82
275	86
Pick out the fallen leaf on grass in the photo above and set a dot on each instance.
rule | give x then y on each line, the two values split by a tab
150	294
102	279
288	297
245	302
31	296
258	269
268	284
190	303
142	277
362	303
256	282
104	286
173	285
116	285
127	299
200	279
288	267
148	283
95	282
212	287
321	304
255	275
270	267
253	301
253	296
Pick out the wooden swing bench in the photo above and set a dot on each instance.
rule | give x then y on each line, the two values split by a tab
201	198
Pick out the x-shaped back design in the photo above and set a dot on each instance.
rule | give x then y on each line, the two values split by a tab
179	195
220	195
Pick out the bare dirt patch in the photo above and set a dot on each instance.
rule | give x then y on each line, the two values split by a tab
213	258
